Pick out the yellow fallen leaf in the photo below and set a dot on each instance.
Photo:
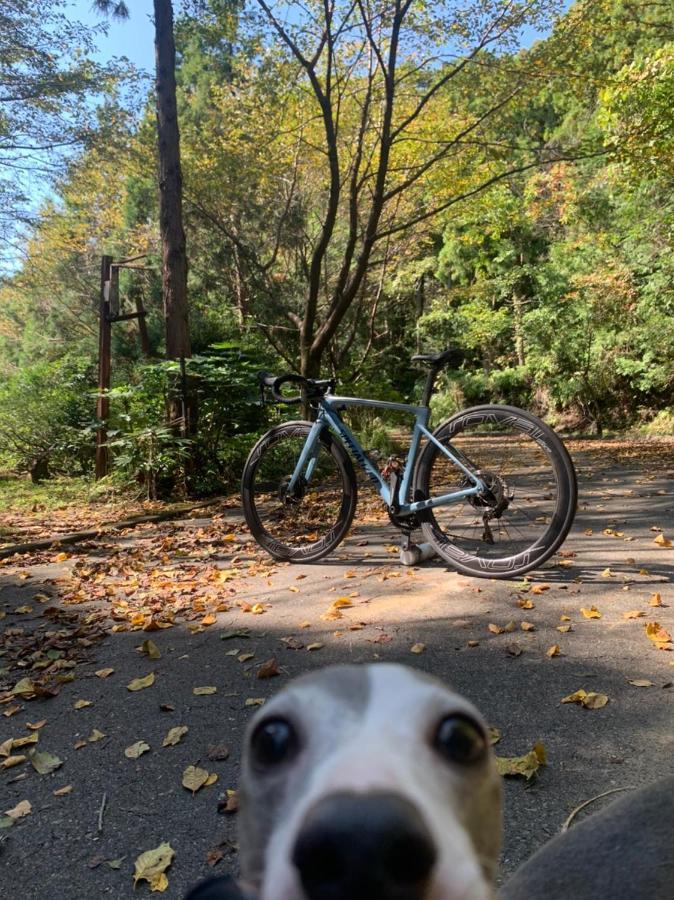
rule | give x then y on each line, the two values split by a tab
495	629
244	657
417	648
591	613
525	766
23	808
342	603
138	684
588	531
555	650
203	691
10	761
588	699
95	736
194	778
103	673
315	646
564	629
565	618
509	627
634	614
81	704
212	778
527	626
25	740
656	600
209	619
61	792
526	603
607	573
255	701
24	610
136	750
642	682
539	588
662	541
174	736
151	867
44	763
35	726
24	688
659	635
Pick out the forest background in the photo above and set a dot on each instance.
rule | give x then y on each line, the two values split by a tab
361	181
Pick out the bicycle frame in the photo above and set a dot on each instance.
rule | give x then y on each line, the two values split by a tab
329	408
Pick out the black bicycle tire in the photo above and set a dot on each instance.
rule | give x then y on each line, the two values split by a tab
517	565
337	534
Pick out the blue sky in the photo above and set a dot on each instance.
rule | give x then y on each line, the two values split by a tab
133	38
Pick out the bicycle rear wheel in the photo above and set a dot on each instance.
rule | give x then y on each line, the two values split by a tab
306	522
528	507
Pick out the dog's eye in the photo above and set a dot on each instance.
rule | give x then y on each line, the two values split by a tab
273	742
460	740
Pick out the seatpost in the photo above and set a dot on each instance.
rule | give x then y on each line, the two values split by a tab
428	387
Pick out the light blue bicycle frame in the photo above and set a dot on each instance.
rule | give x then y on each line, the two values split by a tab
328	414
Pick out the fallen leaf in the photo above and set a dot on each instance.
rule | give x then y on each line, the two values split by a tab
136	750
244	657
495	629
525	766
540	588
342	603
25	740
104	673
473	644
591	613
495	735
555	650
194	778
315	646
565	618
509	627
138	684
150	649
255	701
659	635
12	710
268	669
526	603
44	763
564	629
61	792
212	778
151	867
10	761
656	600
35	726
24	688
588	699
642	682
417	648
95	736
229	802
23	808
81	704
634	614
662	541
217	752
116	863
174	735
203	691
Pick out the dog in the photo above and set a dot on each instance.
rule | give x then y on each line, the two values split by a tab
377	782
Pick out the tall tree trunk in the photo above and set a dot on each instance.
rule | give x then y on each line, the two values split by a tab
174	257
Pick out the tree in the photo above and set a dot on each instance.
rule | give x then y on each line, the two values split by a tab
47	81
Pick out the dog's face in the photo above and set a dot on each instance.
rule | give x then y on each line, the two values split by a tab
372	782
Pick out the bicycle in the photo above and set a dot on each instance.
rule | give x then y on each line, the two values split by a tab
493	488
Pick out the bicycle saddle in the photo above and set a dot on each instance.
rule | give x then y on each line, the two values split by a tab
437	359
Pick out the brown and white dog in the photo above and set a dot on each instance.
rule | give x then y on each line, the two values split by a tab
378	782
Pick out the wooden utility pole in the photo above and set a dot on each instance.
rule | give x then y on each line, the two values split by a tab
104	346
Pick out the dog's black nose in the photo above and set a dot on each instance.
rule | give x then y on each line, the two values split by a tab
371	846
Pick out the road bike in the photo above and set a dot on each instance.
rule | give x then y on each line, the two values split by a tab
493	489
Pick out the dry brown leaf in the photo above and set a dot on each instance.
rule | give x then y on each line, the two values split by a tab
662	541
526	603
136	750
417	648
61	792
255	701
554	650
342	603
564	629
527	626
634	614
103	673
495	629
539	588
656	600
174	735
268	669
82	704
23	808
10	761
317	645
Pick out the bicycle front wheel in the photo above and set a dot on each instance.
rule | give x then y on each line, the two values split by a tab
307	521
529	503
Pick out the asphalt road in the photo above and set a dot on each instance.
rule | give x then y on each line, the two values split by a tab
119	807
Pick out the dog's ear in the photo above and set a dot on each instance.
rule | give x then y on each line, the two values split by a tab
223	888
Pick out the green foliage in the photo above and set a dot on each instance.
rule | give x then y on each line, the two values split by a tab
46	418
